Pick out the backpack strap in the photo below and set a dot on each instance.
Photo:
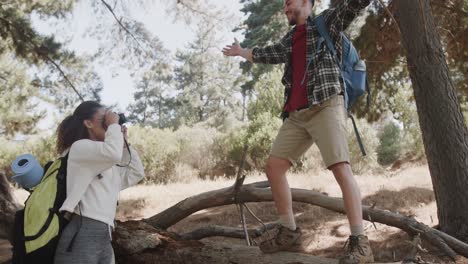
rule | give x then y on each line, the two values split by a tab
358	136
323	31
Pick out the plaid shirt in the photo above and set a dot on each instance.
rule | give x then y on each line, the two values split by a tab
323	73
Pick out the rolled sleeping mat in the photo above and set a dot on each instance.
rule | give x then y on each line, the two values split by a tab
28	172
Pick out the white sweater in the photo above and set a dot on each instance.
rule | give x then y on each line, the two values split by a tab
94	180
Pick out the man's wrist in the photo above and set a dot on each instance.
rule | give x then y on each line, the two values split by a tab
243	53
246	54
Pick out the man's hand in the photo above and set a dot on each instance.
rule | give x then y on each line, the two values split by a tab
233	50
236	50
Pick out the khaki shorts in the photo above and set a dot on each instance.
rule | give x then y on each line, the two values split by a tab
323	124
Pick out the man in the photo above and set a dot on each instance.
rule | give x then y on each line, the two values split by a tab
314	112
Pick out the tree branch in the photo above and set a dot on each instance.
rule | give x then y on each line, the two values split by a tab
111	10
391	15
44	55
216	230
197	11
443	5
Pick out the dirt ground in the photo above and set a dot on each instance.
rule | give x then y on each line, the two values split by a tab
407	191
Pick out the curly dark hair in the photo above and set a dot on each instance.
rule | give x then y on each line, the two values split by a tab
72	129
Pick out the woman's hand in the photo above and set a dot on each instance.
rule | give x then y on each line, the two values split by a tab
111	118
124	132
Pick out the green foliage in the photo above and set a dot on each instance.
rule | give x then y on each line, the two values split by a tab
163	151
153	106
196	148
8	152
265	24
43	148
268	96
362	164
207	82
380	44
258	134
264	122
158	150
17	112
405	111
29	63
389	148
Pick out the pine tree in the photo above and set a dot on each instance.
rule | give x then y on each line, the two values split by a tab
207	81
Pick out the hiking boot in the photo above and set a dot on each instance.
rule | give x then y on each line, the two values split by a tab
282	240
359	251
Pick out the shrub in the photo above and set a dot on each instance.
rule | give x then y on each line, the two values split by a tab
196	148
42	148
158	149
389	148
258	134
362	164
312	160
171	156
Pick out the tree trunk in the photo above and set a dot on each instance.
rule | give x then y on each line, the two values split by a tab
444	131
8	207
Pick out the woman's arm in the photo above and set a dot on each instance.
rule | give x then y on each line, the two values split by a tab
134	172
97	154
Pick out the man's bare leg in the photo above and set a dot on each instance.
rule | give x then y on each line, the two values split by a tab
276	169
351	196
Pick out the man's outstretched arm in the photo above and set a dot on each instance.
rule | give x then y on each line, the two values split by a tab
273	54
236	50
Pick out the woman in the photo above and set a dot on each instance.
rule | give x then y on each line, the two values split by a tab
99	166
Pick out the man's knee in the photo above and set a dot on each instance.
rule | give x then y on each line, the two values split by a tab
275	164
339	167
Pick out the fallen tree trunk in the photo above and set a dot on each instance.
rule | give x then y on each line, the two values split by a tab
138	242
259	192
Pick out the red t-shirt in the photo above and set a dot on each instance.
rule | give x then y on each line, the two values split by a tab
298	96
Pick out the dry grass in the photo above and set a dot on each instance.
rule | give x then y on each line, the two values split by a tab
160	197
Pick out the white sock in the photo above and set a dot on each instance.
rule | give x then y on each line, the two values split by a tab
287	220
357	230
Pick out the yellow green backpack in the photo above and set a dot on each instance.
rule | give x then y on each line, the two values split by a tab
38	226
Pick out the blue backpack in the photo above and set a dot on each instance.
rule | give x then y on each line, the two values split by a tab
352	68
